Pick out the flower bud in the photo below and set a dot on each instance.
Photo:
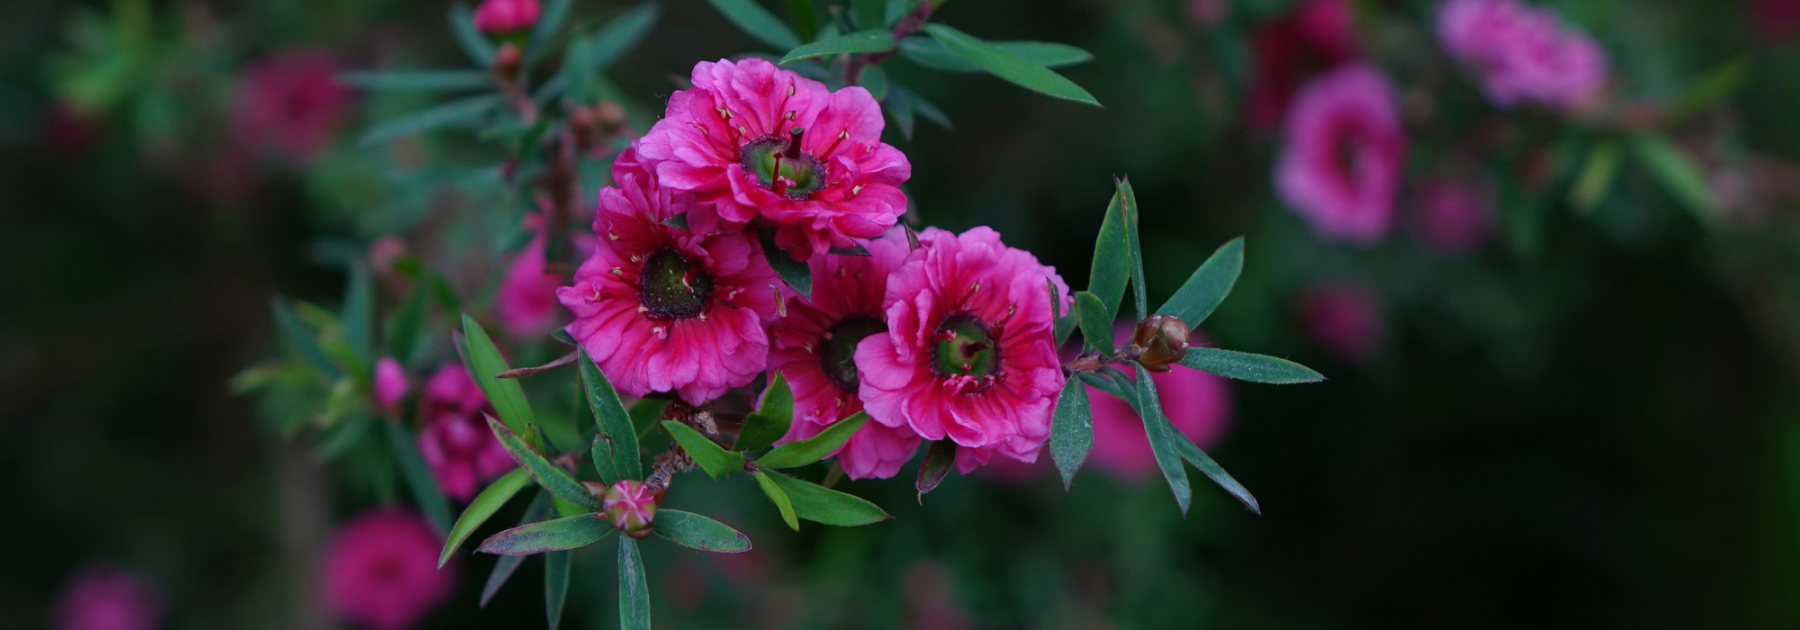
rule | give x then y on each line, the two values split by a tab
390	384
585	125
631	508
508	61
1164	340
501	17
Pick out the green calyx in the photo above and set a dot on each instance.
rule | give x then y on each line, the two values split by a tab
782	167
675	287
965	347
838	356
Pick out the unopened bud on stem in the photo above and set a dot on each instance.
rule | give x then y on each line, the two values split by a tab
631	508
1164	340
508	61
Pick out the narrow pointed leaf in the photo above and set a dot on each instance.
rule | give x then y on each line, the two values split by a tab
485	364
424	488
698	532
806	18
815	448
772	417
872	40
1111	388
1112	263
1128	205
358	318
1065	321
616	431
404	337
757	22
1208	286
1009	65
1597	175
939	459
548	475
1163	439
550	20
795	273
559	534
820	504
506	565
899	107
1244	366
556	585
926	109
875	80
474	44
1071	430
416	80
621	34
1678	174
932	54
302	339
481	509
1192	453
634	589
711	457
453	112
1096	326
778	496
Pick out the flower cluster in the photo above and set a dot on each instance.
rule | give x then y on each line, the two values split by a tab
949	339
1523	54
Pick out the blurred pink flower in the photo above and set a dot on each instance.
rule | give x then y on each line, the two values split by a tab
496	17
106	598
526	300
1523	54
390	383
1197	403
1452	217
1207	13
1775	20
660	308
1318	36
380	570
385	252
456	443
814	347
289	105
969	354
1345	154
1344	318
754	141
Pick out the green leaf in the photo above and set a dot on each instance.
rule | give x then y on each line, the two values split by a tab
1128	205
875	80
556	585
795	273
1597	175
634	590
302	340
806	18
938	460
1065	322
337	440
1208	286
1163	438
807	451
1716	85
820	504
621	34
617	435
900	108
925	108
757	22
1112	263
457	111
424	488
504	567
698	532
1110	387
1244	366
898	9
481	509
568	532
773	415
1677	173
1009	65
484	362
873	40
644	414
548	475
1071	430
1212	470
869	13
403	338
779	497
550	20
712	458
474	44
932	54
416	80
1096	326
359	316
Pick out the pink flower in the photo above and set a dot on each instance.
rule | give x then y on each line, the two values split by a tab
1776	20
390	383
1523	54
1199	405
498	17
380	570
969	354
1345	153
664	309
106	598
757	142
1318	36
456	443
526	301
289	105
1344	318
814	346
1453	218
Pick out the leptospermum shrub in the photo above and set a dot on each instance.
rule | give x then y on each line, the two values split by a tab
747	275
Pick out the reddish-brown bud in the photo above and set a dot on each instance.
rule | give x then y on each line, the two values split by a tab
585	125
508	61
631	508
1164	340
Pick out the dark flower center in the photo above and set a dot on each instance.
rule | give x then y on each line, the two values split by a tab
780	166
839	355
675	287
965	347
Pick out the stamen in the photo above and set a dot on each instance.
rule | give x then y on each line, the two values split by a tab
854	190
618	272
842	135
